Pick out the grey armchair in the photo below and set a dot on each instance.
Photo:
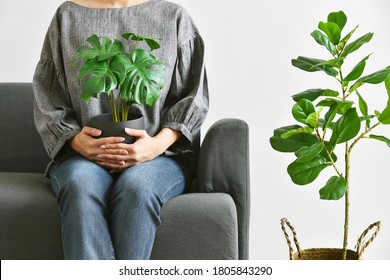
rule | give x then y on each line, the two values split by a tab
210	222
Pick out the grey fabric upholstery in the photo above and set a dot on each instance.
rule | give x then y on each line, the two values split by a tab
22	147
211	224
30	222
227	140
198	223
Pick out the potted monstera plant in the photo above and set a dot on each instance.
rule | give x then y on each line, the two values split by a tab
332	121
123	77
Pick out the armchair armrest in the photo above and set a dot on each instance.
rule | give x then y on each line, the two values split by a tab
223	166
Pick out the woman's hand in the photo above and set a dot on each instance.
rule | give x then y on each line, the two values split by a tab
88	146
144	149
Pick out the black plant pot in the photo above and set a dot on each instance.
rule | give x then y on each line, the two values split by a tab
109	128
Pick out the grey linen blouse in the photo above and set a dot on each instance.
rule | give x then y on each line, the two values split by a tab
59	111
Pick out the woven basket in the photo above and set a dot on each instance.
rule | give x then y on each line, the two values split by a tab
328	253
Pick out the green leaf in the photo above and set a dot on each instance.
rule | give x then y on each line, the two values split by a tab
374	78
102	49
292	143
334	189
96	77
362	105
93	86
381	138
323	40
145	79
330	115
302	109
377	77
336	62
357	71
86	53
110	50
332	30
303	173
119	65
306	154
94	40
152	42
387	85
329	92
346	128
355	45
339	18
307	63
385	115
313	119
313	94
342	105
292	132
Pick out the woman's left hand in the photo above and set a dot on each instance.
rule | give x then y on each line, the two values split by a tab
145	148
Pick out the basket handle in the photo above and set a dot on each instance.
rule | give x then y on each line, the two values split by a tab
362	244
285	222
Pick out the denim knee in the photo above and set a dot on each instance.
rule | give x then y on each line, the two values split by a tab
80	180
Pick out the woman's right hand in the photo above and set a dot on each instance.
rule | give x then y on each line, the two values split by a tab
88	146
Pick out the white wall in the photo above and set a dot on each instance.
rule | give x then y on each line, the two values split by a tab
249	47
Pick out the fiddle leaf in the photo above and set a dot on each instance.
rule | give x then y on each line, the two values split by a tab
309	64
381	138
306	154
374	78
292	143
339	18
302	109
332	30
355	45
303	173
346	128
313	94
357	71
362	105
323	40
334	189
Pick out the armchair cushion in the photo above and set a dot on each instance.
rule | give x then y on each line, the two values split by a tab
198	220
30	222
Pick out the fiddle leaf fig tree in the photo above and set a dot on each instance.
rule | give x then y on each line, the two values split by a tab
332	117
127	78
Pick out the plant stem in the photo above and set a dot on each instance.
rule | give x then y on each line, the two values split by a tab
346	214
328	153
125	110
363	134
113	107
347	158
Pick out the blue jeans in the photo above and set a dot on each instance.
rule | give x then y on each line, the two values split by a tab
106	216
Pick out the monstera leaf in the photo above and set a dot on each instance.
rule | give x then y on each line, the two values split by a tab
145	77
152	42
101	49
100	78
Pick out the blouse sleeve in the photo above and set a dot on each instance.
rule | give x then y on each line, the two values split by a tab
53	113
188	100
